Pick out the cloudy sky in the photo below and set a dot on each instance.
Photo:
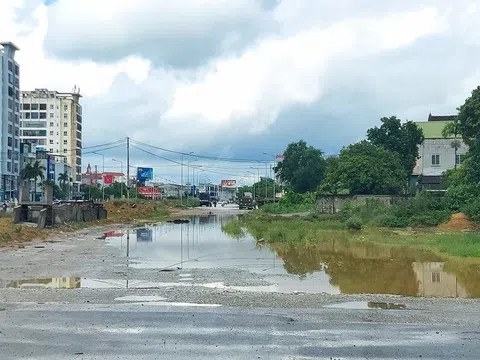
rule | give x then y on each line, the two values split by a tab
237	78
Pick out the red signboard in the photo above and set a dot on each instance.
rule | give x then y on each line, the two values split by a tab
150	192
229	183
280	157
108	179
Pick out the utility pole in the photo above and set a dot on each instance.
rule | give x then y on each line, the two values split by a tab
181	184
128	168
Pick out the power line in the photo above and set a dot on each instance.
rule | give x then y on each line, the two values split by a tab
179	163
200	156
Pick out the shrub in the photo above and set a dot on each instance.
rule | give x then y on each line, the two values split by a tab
354	223
472	210
389	220
432	218
117	203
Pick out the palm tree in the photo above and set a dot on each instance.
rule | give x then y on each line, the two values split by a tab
453	128
63	179
33	172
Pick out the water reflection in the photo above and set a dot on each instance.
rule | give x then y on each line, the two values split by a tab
52	283
334	266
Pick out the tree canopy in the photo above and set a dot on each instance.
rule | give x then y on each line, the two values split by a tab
303	167
469	117
402	139
364	168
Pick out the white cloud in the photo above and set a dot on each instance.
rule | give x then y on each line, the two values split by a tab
246	65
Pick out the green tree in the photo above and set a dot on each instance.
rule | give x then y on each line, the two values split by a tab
402	139
92	192
303	167
364	168
63	178
33	171
58	193
332	183
469	127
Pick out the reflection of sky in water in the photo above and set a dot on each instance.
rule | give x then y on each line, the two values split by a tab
331	266
201	244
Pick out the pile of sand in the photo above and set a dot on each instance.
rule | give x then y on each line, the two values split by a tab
458	221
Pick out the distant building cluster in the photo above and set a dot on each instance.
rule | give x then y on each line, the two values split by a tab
40	125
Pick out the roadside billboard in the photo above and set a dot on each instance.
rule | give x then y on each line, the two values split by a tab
150	192
107	179
144	174
229	183
144	234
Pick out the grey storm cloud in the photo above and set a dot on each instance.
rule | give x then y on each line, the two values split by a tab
168	34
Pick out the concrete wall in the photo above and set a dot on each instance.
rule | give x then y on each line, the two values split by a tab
332	204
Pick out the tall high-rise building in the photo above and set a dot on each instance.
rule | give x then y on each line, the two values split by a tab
53	121
9	121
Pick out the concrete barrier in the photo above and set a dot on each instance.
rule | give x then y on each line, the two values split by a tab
42	219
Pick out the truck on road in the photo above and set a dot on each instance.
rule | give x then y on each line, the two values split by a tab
205	199
246	202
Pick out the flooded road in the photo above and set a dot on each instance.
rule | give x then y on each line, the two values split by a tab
173	255
333	267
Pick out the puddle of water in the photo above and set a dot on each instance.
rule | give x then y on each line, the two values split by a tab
145	298
332	267
365	305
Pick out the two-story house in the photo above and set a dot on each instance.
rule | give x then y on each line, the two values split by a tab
437	154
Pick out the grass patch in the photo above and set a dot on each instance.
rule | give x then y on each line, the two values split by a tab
287	209
317	229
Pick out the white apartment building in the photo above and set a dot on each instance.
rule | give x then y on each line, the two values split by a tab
9	121
53	121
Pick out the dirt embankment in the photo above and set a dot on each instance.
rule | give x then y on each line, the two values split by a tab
457	222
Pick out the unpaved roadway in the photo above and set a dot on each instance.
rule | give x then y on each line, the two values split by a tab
100	303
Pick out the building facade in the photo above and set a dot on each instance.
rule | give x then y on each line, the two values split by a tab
9	121
53	122
437	153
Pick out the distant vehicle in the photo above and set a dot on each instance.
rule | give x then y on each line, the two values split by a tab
205	199
246	202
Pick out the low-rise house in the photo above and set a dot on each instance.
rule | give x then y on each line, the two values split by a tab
437	154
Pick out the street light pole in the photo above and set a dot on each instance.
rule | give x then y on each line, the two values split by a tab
121	185
103	174
274	177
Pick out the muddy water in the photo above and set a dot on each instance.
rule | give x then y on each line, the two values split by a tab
332	267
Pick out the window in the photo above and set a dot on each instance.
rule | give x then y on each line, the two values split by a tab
436	160
15	168
15	156
34	106
51	106
10	142
51	123
43	115
17	131
9	166
34	115
64	151
26	106
65	124
17	70
51	133
65	142
10	79
65	133
10	104
9	154
43	106
65	116
27	115
10	129
459	159
435	277
51	150
16	143
10	65
10	91
51	115
65	107
17	119
35	133
10	116
42	142
51	142
17	83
